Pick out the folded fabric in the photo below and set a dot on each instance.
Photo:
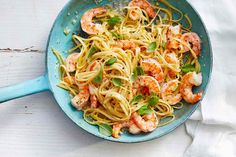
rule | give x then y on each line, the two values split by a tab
213	126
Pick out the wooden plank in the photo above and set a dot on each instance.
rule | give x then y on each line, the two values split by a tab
27	23
18	67
36	126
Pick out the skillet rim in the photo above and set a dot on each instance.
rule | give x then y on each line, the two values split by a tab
145	138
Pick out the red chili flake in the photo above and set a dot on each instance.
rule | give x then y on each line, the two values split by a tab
143	48
145	90
171	74
149	73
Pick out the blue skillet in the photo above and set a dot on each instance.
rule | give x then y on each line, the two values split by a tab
68	19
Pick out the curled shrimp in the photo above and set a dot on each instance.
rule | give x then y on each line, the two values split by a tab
116	128
147	81
173	60
94	66
86	20
168	92
173	31
188	81
193	40
87	91
81	99
136	124
127	44
143	4
154	68
147	123
71	62
133	129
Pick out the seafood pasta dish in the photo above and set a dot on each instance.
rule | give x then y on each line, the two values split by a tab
132	67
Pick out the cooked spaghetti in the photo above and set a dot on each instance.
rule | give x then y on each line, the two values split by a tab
134	68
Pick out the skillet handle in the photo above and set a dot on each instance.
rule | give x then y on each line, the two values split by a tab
36	85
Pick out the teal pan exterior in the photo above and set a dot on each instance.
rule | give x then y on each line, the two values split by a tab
69	19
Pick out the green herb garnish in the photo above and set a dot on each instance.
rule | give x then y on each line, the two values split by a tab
98	78
145	110
92	51
137	72
118	36
136	98
187	68
153	99
114	20
117	81
111	61
140	71
152	47
115	35
105	129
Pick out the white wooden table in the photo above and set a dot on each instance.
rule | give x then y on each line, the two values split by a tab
35	125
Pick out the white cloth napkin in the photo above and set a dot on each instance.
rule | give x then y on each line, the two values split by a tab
213	126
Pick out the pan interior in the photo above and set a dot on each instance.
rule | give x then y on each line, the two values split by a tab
69	20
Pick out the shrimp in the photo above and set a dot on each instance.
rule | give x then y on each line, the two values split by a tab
143	4
86	20
94	66
71	62
168	92
147	81
87	91
173	60
93	97
133	129
147	123
81	99
193	40
125	45
154	68
173	31
116	128
187	82
136	124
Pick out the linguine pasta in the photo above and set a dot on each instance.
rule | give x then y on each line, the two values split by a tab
109	63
